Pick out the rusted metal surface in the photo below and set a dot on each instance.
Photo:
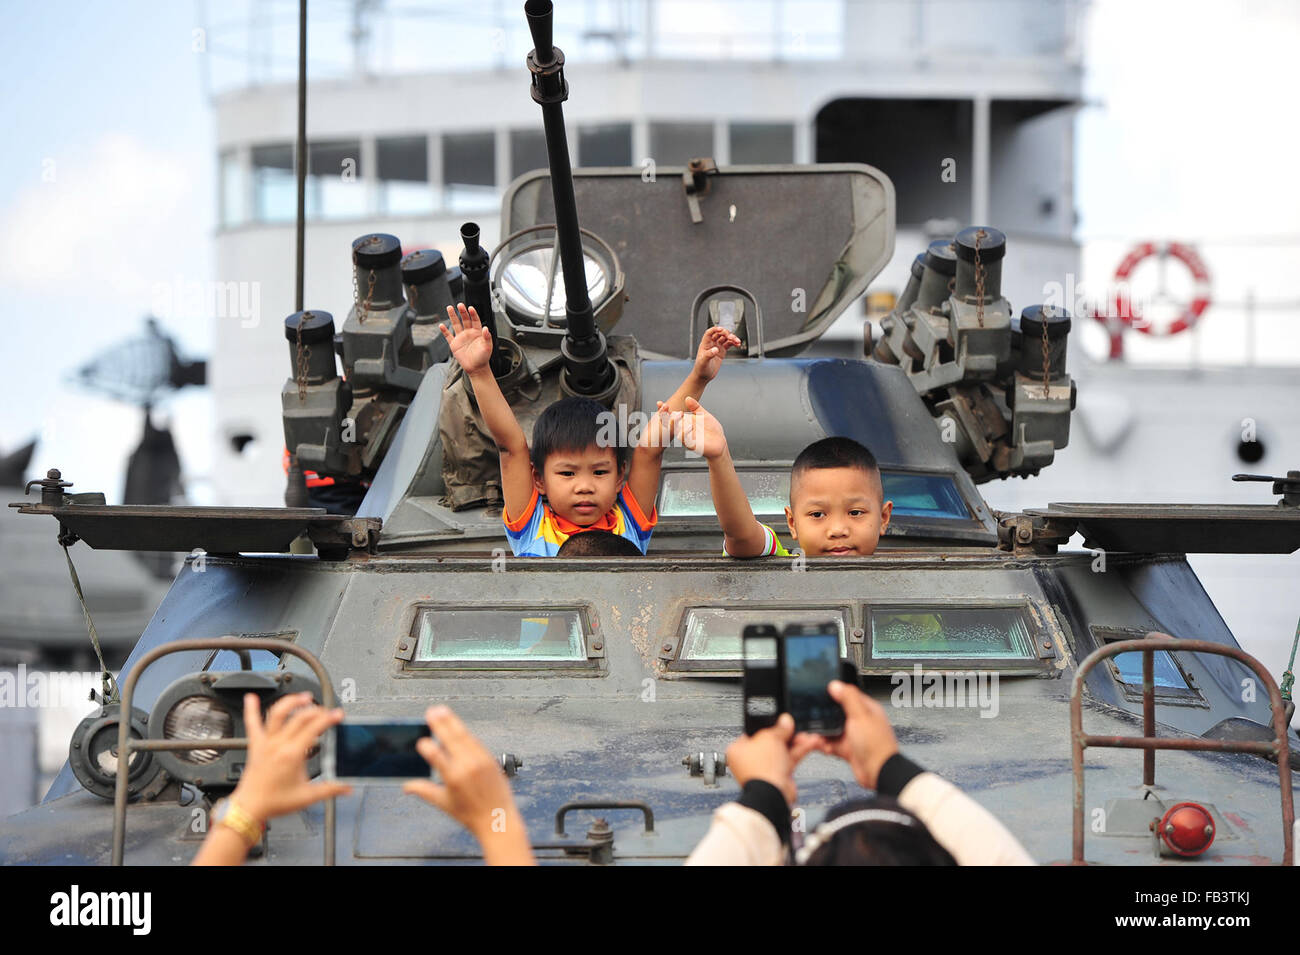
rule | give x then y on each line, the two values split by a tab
1278	749
126	746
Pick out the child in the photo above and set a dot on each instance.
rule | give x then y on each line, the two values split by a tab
586	485
837	506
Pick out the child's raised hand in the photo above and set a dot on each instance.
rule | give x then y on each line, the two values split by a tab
700	432
713	348
471	343
659	431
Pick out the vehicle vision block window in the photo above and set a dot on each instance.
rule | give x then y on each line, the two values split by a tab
685	493
714	633
1127	667
498	636
918	633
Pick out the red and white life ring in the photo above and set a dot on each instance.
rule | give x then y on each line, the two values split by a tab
1200	294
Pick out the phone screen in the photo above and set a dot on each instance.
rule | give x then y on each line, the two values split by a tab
812	660
383	750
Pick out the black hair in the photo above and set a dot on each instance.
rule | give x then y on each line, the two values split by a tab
574	424
879	842
834	453
598	544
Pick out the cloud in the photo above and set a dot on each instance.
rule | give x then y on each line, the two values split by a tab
108	219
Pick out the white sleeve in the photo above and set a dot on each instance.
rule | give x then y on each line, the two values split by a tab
970	833
739	836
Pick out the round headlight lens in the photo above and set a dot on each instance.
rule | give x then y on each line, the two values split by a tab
197	718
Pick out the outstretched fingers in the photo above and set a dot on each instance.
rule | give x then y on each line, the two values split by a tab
430	792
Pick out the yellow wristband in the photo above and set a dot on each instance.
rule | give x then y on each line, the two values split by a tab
235	817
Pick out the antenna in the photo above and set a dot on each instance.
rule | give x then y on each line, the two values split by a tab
301	164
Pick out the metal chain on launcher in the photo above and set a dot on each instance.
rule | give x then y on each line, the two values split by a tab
1046	360
363	308
304	352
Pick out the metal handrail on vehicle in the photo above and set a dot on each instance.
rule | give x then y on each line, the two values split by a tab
126	746
1278	748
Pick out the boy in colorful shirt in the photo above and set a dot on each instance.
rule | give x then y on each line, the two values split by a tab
837	502
570	481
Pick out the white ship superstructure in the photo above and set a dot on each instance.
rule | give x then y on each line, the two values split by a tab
973	123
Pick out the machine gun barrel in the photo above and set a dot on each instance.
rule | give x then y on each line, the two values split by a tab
586	365
478	295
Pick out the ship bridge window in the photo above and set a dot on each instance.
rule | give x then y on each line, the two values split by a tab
605	145
275	192
761	143
232	187
711	636
991	637
676	144
469	171
403	171
470	639
685	493
334	189
527	151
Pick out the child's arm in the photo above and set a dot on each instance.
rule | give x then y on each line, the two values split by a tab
703	434
708	361
647	456
471	345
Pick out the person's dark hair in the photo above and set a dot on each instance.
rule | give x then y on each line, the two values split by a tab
598	544
572	424
881	841
834	453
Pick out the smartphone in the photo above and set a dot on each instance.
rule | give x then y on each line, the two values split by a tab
764	694
375	751
810	660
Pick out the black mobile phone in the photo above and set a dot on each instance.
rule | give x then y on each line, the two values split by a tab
764	689
810	660
375	750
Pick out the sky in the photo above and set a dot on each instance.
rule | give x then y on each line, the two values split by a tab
107	188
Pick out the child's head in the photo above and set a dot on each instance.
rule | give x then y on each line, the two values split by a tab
598	544
580	478
837	503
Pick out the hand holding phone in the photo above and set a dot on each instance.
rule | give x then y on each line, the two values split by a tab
788	672
375	751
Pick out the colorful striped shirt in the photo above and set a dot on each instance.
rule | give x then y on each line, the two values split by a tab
540	532
772	546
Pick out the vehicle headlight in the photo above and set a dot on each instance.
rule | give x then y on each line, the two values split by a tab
208	708
197	718
93	756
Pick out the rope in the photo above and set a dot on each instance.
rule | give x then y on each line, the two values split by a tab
1288	678
107	684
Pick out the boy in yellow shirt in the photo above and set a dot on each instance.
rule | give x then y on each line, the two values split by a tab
837	502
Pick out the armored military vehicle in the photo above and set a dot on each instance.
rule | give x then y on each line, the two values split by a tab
611	687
